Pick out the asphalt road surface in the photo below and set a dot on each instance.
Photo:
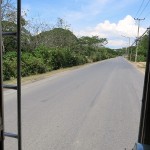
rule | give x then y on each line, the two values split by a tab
96	107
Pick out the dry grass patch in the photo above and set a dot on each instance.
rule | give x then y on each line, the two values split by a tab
140	66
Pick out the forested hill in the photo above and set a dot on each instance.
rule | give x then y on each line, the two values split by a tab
57	37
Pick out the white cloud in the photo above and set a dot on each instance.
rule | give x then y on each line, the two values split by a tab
117	43
113	31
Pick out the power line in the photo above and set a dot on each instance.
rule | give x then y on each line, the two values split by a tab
144	8
140	8
138	39
147	15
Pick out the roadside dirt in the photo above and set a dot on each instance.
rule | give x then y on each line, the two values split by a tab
140	66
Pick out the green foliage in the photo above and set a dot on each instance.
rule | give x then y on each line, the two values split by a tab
32	65
40	61
58	58
93	41
142	48
44	53
141	58
56	38
9	65
10	42
61	58
46	59
51	50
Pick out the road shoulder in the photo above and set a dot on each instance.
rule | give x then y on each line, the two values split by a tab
139	66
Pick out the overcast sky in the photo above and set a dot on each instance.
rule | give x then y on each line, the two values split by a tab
106	18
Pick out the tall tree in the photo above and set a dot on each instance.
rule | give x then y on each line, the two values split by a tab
61	23
9	20
58	38
93	41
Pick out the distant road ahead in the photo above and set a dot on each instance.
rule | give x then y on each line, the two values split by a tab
96	107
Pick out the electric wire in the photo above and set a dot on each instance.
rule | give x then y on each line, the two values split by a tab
140	7
147	15
144	7
146	31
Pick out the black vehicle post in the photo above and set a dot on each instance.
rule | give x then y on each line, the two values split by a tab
19	73
16	87
144	129
1	90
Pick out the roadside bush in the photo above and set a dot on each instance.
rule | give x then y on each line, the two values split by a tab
141	58
69	58
9	65
56	59
62	58
9	69
44	59
44	54
32	65
81	59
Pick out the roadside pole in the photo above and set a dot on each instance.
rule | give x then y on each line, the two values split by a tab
136	52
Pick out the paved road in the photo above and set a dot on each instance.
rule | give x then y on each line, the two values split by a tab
96	107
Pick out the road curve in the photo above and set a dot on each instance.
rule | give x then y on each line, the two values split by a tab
96	107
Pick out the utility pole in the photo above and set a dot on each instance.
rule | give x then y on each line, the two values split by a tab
138	20
128	49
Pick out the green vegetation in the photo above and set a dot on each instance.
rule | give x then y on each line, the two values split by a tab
141	47
44	58
49	49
